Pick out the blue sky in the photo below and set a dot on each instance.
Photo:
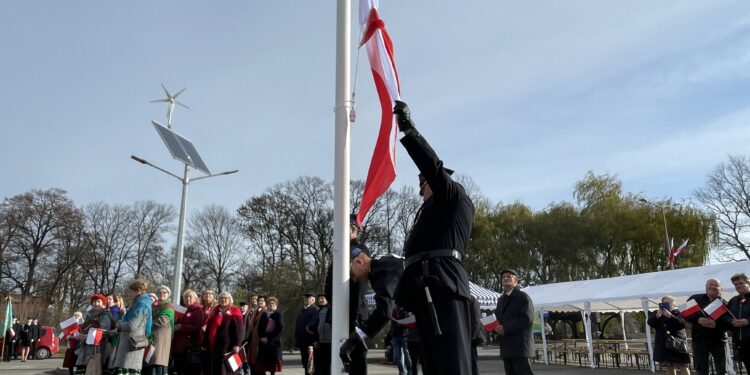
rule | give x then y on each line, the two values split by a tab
523	97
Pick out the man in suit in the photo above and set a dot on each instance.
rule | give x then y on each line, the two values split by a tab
515	313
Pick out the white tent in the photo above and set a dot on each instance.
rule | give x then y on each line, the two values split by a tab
639	292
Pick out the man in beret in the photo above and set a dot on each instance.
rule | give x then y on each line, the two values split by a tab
515	313
435	286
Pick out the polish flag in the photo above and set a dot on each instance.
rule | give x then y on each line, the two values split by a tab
376	40
70	325
410	321
689	308
179	311
148	354
94	337
61	335
12	332
490	322
681	248
236	360
716	309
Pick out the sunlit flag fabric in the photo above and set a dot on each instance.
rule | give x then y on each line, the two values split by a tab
94	337
236	360
379	48
675	252
689	308
716	309
69	326
8	324
148	353
490	322
179	311
410	321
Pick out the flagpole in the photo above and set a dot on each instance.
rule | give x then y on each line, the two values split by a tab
340	328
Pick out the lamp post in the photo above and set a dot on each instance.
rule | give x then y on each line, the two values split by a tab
666	232
185	179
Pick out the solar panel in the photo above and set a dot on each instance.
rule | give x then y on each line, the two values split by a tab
181	148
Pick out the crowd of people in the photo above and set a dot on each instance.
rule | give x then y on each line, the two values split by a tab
152	336
25	336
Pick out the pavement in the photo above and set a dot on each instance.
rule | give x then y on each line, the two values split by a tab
489	364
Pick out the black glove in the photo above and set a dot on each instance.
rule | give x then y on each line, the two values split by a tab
403	116
351	344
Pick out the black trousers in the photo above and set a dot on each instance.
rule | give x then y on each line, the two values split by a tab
415	353
450	352
323	359
701	353
304	353
743	350
517	366
358	366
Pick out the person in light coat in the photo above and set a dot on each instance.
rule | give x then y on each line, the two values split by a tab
136	323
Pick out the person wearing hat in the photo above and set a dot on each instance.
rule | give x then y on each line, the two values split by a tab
306	328
98	317
358	309
383	274
435	285
161	333
515	313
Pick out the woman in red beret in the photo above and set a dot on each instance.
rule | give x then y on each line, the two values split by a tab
96	318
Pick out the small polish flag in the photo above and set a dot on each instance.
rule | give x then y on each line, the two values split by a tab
716	309
148	354
410	321
69	325
61	335
235	361
94	337
179	311
689	308
12	332
490	322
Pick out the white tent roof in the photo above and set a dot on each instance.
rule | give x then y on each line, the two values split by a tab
625	292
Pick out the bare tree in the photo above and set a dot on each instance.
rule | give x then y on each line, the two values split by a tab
727	195
151	221
113	243
215	234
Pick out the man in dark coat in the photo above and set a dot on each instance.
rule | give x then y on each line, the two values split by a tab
709	336
383	274
435	286
306	328
10	340
515	313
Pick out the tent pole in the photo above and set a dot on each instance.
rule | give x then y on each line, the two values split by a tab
622	322
644	304
544	337
587	329
728	358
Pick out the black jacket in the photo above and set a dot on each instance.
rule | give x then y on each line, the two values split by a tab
516	314
739	306
358	309
384	275
307	321
708	335
443	222
674	326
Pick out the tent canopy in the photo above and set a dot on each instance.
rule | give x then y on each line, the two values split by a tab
624	293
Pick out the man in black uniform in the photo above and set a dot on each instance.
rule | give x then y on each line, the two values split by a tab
435	286
34	336
358	309
383	274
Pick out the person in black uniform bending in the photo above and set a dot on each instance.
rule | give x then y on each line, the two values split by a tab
383	274
435	286
358	309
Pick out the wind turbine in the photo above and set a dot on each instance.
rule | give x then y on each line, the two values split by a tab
172	100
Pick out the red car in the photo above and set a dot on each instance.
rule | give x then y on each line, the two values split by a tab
48	344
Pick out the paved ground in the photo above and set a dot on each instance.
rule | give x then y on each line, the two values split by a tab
489	364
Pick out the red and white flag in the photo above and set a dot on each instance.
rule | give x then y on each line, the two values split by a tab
236	360
376	40
689	308
716	309
680	249
148	354
410	321
674	252
490	322
179	311
69	326
12	332
94	337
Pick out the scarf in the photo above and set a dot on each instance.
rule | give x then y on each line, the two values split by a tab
164	308
140	303
93	317
217	316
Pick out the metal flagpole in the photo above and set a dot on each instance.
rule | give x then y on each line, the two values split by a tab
340	329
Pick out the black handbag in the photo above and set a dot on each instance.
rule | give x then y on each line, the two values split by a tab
137	342
676	344
194	357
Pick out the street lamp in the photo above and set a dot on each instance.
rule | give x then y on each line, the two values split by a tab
666	233
177	281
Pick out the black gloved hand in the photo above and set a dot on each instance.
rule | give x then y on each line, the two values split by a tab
403	116
351	344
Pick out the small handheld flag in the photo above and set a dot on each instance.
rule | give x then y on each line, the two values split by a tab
179	311
410	321
689	308
490	322
235	360
70	325
94	337
148	354
716	309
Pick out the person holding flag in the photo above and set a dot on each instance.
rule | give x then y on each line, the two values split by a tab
187	334
739	307
97	323
435	286
69	329
8	331
709	329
